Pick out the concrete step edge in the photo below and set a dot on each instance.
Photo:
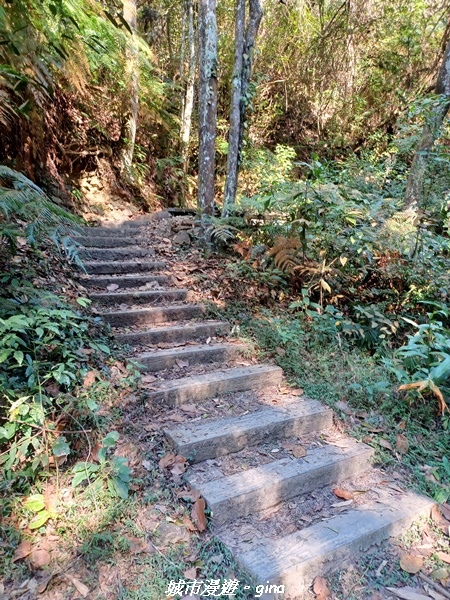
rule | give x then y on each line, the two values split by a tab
254	490
124	283
110	267
189	332
153	315
296	559
214	383
218	437
193	354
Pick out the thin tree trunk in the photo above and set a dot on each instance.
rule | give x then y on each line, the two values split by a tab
183	42
132	78
207	112
188	104
430	133
235	109
251	33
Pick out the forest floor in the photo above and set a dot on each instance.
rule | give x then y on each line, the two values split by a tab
97	546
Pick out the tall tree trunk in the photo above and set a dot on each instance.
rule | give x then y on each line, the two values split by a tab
188	103
207	112
128	132
430	133
244	61
235	109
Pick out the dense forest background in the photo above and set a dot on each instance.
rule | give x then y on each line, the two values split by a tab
330	80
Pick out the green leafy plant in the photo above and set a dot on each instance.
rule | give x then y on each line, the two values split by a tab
109	470
422	365
42	360
36	505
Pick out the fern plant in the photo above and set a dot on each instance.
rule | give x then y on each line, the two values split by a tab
26	210
285	253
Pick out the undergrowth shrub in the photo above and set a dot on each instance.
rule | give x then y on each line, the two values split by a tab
422	365
47	348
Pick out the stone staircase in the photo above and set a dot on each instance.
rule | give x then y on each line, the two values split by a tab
241	464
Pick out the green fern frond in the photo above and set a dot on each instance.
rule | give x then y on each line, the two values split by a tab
22	201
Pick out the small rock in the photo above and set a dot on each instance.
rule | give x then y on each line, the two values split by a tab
181	239
159	216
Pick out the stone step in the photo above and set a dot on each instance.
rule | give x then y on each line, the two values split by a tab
139	297
96	241
194	355
154	316
176	333
131	224
120	230
209	385
201	441
296	559
125	282
115	253
239	495
131	266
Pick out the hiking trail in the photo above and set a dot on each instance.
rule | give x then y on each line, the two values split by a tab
275	509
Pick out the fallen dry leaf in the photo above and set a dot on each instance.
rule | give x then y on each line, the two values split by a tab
385	444
42	586
411	564
137	545
22	550
299	451
189	495
39	558
344	407
320	588
191	573
402	444
79	585
445	510
198	514
408	593
167	461
89	379
182	363
342	504
51	498
439	520
343	494
288	445
188	523
177	418
179	466
371	427
444	557
190	409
